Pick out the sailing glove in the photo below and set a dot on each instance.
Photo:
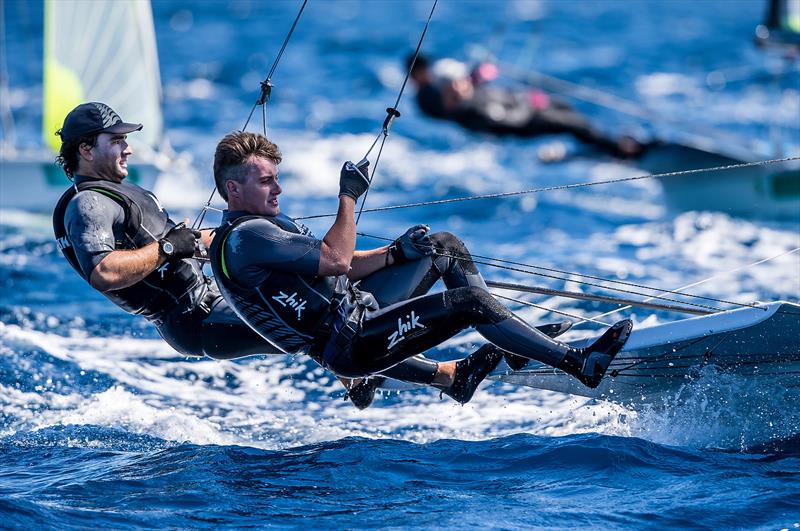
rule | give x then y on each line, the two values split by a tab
179	242
415	244
354	180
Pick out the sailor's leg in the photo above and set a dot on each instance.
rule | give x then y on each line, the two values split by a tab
392	334
451	262
559	120
399	331
401	282
225	336
512	334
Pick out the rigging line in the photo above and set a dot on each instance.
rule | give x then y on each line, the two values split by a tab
621	290
612	288
693	284
597	298
594	277
266	85
665	356
392	113
266	92
526	303
566	186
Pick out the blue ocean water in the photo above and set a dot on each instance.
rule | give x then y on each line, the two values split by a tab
103	425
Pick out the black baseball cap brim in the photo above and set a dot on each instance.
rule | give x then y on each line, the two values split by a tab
122	128
94	118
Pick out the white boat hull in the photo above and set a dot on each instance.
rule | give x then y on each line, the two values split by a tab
35	184
754	343
768	191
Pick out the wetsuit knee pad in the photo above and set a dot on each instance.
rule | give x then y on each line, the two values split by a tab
451	246
447	240
476	301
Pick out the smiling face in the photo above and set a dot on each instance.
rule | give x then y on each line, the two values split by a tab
253	187
107	159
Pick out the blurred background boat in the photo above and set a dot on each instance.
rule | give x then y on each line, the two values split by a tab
764	191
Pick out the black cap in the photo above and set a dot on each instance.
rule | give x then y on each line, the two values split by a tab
93	118
422	62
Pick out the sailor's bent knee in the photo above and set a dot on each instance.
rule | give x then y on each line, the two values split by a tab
449	241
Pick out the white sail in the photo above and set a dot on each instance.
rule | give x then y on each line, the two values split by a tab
102	50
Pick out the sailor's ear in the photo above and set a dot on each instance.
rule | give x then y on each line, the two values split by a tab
232	187
85	151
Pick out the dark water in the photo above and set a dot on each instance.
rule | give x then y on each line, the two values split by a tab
103	426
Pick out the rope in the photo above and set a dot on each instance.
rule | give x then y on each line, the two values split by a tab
391	114
567	186
710	278
597	298
595	319
572	274
263	99
526	303
266	85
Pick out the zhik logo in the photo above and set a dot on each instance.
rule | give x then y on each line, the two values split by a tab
291	301
412	322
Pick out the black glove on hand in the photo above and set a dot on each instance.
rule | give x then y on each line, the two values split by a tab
415	244
354	180
179	242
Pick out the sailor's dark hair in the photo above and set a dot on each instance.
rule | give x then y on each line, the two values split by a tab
234	150
68	156
421	63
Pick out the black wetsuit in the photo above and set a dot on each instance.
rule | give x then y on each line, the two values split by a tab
266	268
97	217
504	111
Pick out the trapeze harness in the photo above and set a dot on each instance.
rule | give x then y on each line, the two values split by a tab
162	290
291	311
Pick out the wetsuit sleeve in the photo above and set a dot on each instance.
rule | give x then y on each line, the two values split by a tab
257	246
92	220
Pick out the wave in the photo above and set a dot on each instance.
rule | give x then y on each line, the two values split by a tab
145	481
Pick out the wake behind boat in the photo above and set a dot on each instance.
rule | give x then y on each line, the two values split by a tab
759	343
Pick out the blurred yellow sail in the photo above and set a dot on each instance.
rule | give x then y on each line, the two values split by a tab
101	50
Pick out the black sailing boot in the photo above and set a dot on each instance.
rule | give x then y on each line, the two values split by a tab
590	364
471	371
516	363
362	394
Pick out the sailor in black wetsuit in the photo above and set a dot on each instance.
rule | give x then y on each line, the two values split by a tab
447	91
119	239
298	291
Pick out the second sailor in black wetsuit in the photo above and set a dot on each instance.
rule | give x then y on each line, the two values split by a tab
298	292
447	91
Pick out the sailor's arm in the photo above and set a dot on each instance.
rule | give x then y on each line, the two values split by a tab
414	244
339	243
123	268
206	236
365	263
90	220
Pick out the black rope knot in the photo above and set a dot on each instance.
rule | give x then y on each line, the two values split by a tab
266	92
391	114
